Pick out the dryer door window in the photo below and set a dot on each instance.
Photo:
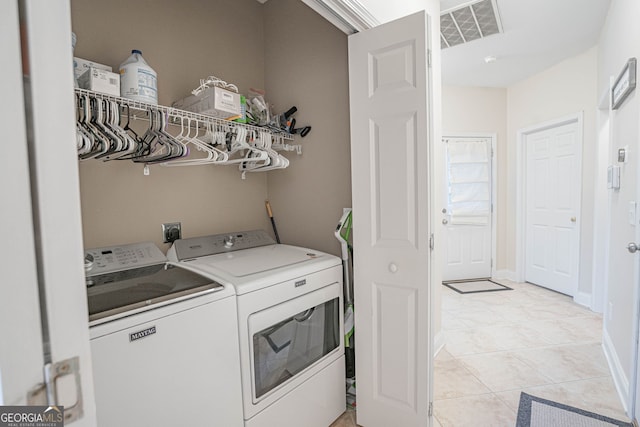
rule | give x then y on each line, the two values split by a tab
291	345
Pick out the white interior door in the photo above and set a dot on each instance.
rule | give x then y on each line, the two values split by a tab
389	92
21	354
467	218
552	198
43	302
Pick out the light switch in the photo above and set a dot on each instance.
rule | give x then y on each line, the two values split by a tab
632	213
622	154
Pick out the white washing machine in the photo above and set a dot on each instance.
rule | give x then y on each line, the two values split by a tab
163	349
290	322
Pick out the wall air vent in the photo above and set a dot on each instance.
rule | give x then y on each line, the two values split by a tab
468	22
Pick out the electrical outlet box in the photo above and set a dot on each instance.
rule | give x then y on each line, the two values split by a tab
171	231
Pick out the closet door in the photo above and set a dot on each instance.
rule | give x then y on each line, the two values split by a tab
389	91
21	355
47	304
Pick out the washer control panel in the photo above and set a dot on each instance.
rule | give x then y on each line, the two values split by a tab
122	257
196	247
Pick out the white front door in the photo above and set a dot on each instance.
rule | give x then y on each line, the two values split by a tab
390	120
552	198
43	301
467	218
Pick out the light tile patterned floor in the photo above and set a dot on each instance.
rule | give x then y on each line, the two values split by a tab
499	344
530	339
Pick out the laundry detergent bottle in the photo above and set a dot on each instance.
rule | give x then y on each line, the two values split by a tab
138	81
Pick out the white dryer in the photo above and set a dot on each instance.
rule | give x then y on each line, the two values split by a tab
290	322
164	352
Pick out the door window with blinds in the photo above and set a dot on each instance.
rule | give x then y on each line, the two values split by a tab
469	181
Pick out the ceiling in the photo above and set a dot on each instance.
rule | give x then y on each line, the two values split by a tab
537	34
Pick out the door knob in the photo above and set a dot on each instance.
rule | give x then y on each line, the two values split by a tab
393	268
573	219
445	221
632	247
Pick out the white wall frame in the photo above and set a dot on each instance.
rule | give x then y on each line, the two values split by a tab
350	16
521	187
602	214
494	194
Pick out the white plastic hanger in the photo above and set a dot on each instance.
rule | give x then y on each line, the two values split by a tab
240	146
212	156
276	161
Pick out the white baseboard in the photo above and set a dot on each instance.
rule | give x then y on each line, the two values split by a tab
438	343
583	298
505	274
619	378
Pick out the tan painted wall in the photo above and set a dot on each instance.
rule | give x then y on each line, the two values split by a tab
483	110
184	42
306	66
566	88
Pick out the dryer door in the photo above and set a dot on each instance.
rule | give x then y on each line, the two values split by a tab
289	338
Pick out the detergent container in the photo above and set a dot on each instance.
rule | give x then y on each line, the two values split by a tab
74	39
138	81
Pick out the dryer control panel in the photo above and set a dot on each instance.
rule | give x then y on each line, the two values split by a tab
196	247
122	257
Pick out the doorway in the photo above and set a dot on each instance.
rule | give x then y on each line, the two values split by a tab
549	197
468	218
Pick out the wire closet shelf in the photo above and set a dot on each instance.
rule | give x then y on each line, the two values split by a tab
176	114
203	140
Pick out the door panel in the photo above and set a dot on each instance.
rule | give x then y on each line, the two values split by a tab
390	178
21	358
50	112
394	316
397	196
553	203
468	216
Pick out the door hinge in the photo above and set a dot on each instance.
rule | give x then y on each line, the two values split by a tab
430	409
431	242
429	58
47	393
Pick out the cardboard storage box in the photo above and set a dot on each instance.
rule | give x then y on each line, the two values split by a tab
101	81
213	101
80	66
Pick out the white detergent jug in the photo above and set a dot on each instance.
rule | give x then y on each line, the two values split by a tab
138	81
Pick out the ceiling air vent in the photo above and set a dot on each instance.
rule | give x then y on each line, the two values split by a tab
472	21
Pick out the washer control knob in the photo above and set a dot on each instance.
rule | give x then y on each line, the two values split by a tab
88	262
229	241
393	268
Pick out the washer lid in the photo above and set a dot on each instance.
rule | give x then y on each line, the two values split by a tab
124	291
